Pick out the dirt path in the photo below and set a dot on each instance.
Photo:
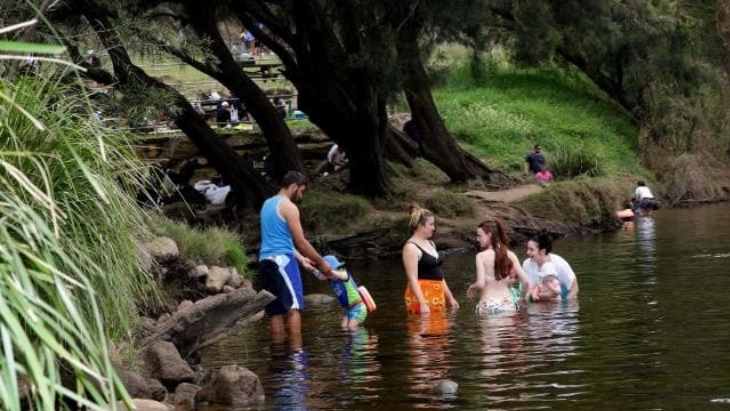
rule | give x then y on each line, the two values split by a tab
500	205
506	196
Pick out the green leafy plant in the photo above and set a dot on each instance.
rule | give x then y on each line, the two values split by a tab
69	272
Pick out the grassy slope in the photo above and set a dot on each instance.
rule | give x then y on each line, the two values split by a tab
502	116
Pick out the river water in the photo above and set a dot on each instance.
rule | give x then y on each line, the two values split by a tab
650	331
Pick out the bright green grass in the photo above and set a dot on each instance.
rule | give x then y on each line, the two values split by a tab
502	116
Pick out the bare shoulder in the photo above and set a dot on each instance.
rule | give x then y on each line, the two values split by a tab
485	254
410	248
288	208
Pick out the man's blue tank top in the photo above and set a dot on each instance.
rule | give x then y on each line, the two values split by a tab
276	238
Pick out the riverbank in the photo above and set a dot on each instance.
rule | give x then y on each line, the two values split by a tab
356	228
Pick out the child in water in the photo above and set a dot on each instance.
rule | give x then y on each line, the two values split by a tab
548	283
354	311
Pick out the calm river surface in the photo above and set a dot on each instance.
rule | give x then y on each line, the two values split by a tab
650	331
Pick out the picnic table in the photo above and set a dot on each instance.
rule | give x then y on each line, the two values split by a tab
266	71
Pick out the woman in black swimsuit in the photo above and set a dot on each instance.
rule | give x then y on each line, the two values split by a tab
426	290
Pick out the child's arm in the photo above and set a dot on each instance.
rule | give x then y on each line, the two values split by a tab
535	293
339	275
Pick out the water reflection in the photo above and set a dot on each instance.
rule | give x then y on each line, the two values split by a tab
646	239
429	341
650	333
292	380
326	380
356	365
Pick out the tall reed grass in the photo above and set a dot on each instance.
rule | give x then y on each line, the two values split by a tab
70	277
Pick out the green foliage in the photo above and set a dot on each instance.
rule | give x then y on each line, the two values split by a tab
447	204
210	246
235	256
69	272
574	161
583	201
332	212
501	118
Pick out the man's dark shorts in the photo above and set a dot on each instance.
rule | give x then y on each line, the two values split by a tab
280	276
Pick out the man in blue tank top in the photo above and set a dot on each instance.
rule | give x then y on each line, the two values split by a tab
283	248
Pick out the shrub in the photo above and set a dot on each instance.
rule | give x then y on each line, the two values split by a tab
333	212
447	204
583	201
210	246
573	161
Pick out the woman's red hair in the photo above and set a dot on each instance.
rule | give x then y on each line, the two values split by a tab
499	241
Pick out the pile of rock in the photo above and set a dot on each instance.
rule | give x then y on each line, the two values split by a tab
170	377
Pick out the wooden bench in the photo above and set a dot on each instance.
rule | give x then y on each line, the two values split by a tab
263	71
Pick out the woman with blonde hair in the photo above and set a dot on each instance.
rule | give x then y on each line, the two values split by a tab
426	290
497	268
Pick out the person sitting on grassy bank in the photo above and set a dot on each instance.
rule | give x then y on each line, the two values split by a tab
544	176
534	160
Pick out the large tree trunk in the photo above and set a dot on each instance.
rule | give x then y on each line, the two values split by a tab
228	72
340	99
361	130
437	144
248	186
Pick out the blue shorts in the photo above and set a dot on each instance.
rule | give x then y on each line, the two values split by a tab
358	313
280	276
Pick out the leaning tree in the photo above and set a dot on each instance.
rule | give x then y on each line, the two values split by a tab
249	187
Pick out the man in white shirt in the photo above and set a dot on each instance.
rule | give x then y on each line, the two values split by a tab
337	158
643	199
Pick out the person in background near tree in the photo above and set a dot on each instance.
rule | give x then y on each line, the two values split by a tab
280	107
223	114
337	158
410	128
534	160
283	245
426	290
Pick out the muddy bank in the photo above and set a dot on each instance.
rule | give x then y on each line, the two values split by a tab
383	229
459	233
